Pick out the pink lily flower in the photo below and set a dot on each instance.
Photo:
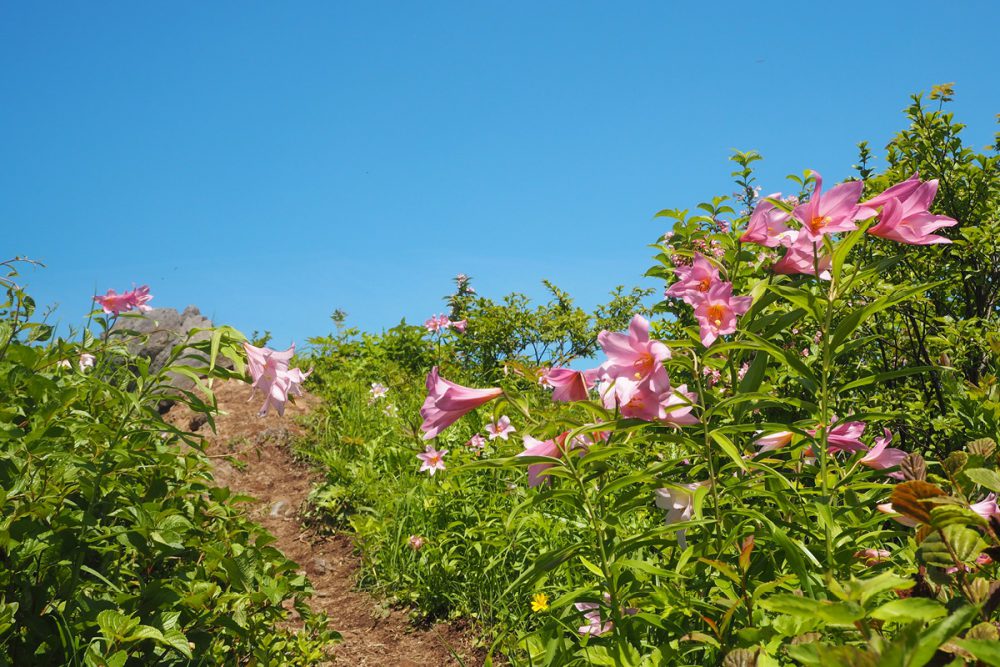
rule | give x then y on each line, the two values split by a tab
635	399
909	221
476	442
140	297
460	325
277	389
773	441
986	507
718	312
800	258
377	391
437	323
596	625
678	501
271	376
114	304
676	409
632	355
264	362
898	191
694	281
650	400
501	428
829	213
881	456
432	460
447	402
550	448
569	385
767	224
416	542
843	437
886	508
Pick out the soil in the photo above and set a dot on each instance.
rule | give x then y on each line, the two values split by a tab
265	469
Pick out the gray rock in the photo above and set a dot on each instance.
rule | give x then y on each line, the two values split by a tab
162	329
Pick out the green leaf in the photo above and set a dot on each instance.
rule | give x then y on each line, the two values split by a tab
984	650
545	562
214	350
792	605
910	609
798	297
964	542
863	590
843	249
724	568
947	515
114	625
143	632
176	640
879	378
729	448
988	479
590	566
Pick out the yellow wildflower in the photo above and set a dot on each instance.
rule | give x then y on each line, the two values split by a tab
540	603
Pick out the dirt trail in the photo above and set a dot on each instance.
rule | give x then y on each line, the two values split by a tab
373	634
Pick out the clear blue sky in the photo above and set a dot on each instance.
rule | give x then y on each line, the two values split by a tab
271	162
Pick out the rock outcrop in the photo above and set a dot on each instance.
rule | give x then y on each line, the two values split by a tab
163	328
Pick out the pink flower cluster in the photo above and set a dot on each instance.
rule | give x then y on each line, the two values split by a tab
715	307
441	323
115	304
635	381
845	437
271	375
904	217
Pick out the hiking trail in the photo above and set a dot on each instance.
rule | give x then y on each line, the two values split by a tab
374	635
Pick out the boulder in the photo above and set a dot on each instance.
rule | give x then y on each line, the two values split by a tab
164	328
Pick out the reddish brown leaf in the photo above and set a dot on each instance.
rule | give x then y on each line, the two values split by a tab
908	499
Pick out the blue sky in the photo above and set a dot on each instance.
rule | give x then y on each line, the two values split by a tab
270	162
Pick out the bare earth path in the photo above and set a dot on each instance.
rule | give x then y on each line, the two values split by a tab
373	635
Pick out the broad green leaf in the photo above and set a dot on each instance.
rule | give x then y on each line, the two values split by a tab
985	650
988	479
115	625
910	609
942	548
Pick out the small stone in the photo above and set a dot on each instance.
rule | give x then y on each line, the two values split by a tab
276	508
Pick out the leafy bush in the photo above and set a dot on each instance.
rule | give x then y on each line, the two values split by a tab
116	547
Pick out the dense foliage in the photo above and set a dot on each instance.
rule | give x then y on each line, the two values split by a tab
116	547
805	334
